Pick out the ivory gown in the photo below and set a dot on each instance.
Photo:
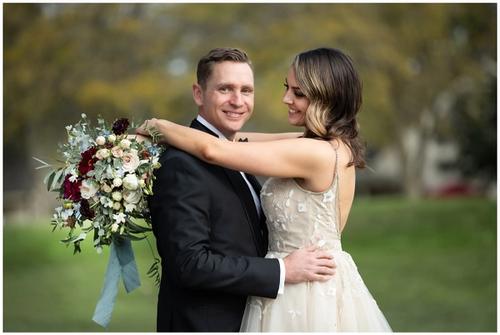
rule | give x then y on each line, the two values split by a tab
296	218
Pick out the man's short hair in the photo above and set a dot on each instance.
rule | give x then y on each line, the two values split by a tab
218	55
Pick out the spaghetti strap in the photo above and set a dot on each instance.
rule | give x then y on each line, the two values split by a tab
336	185
336	158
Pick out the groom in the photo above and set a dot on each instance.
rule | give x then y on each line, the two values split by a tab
207	220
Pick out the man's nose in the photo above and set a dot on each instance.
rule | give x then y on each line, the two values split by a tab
236	99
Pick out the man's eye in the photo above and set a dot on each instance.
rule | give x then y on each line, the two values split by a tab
224	90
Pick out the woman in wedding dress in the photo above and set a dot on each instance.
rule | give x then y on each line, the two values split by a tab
308	198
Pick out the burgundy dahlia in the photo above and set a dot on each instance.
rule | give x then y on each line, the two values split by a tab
85	210
87	162
120	126
72	190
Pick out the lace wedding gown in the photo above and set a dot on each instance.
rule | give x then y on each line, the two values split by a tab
296	218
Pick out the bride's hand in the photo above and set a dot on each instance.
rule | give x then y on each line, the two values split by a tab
143	129
140	138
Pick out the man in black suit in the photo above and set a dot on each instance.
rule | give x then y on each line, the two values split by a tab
210	229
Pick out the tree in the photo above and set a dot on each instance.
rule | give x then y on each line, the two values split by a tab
138	60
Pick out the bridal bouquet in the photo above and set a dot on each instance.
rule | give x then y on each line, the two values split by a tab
102	185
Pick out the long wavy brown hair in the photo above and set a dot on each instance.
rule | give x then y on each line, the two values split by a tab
329	80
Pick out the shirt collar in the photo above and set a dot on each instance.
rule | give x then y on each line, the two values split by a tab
209	126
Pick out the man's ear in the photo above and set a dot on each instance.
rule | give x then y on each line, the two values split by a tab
198	95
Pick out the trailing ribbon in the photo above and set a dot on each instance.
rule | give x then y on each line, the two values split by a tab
121	264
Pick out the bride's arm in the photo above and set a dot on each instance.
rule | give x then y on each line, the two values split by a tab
262	137
298	157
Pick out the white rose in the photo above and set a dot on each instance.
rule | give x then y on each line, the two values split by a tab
88	188
132	197
117	196
130	182
102	153
130	161
125	144
112	138
117	182
100	140
117	151
117	206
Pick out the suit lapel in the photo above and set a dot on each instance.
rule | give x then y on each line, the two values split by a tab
256	186
241	189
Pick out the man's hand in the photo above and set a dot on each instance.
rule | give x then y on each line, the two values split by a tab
308	264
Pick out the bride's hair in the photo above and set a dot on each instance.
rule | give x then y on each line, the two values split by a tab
329	80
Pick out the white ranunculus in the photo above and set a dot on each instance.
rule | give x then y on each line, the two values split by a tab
106	188
102	153
117	151
117	206
117	196
130	182
130	161
112	138
100	140
117	182
88	188
132	197
125	143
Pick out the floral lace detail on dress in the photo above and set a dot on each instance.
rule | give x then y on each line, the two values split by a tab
297	218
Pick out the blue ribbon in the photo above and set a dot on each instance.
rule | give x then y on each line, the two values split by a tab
121	264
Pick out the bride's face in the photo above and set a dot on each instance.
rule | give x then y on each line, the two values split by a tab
296	101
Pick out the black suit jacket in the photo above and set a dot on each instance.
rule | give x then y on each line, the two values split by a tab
211	243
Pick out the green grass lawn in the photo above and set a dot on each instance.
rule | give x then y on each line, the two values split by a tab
431	266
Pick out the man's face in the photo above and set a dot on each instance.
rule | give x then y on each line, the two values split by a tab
227	100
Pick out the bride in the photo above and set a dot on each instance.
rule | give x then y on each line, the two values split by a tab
308	198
